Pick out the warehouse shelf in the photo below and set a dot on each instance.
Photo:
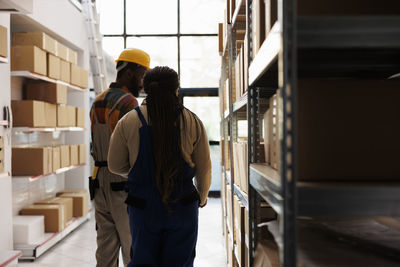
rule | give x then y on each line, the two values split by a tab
228	176
319	246
4	174
3	60
34	76
242	196
47	129
3	123
239	15
349	32
33	251
236	253
351	199
266	181
240	104
9	257
267	54
226	114
59	171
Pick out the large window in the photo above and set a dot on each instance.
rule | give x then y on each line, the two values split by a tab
181	34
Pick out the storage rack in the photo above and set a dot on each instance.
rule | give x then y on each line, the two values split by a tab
288	53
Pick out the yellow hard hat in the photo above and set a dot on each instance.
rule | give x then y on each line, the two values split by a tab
136	56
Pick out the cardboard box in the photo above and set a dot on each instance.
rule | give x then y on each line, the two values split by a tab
67	191
258	16
80	117
73	154
28	229
38	39
84	79
239	229
53	216
267	254
75	75
3	42
71	116
348	130
82	153
72	56
28	113
53	93
53	67
51	114
62	116
56	158
220	38
32	161
64	156
81	203
29	58
62	51
65	68
67	204
347	8
271	14
229	206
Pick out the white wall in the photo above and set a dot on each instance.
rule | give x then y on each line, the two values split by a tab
6	241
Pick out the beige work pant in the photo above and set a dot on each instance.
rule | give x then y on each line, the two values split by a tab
112	226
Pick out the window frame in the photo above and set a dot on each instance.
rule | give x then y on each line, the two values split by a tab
198	91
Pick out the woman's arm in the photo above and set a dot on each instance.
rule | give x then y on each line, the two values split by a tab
202	161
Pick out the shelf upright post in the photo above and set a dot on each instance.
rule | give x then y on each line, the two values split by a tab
253	198
288	83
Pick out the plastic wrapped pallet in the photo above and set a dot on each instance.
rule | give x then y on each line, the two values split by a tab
28	229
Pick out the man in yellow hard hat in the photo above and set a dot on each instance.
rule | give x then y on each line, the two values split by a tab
107	189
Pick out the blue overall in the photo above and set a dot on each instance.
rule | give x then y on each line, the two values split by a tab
160	237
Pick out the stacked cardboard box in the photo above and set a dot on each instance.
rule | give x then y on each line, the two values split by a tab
56	158
3	42
66	116
53	93
53	216
271	14
240	152
31	161
29	58
239	229
80	201
73	155
258	17
80	117
82	153
32	113
273	119
67	204
39	53
64	156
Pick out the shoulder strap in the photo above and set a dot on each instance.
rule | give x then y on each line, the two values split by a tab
141	117
93	109
115	105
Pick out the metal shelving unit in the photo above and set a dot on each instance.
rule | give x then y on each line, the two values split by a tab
34	76
3	60
335	47
33	251
59	171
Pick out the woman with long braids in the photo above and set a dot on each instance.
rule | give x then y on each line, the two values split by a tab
161	147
